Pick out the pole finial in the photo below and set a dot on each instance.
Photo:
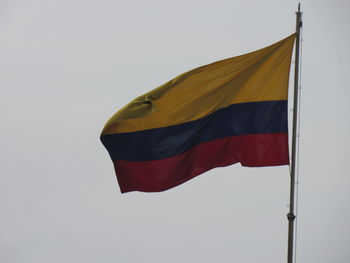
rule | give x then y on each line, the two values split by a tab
298	7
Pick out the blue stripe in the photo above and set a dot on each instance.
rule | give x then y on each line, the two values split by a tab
237	119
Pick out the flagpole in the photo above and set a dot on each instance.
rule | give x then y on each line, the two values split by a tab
291	216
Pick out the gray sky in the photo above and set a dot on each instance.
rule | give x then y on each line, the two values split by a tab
67	66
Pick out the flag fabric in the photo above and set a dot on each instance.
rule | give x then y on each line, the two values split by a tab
230	111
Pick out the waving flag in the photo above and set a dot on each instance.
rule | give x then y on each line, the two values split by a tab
230	111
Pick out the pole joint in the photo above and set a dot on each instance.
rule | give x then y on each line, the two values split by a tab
291	216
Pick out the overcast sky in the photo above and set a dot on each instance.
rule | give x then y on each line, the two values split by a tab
67	65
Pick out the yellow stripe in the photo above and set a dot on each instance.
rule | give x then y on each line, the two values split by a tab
261	75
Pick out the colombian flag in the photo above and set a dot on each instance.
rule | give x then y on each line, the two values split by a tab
230	111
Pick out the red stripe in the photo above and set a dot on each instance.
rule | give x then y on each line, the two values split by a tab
159	175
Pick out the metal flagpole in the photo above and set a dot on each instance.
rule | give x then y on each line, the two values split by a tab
291	215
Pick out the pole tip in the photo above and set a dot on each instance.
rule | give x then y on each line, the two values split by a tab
298	7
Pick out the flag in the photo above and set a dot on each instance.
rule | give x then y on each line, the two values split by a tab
230	111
